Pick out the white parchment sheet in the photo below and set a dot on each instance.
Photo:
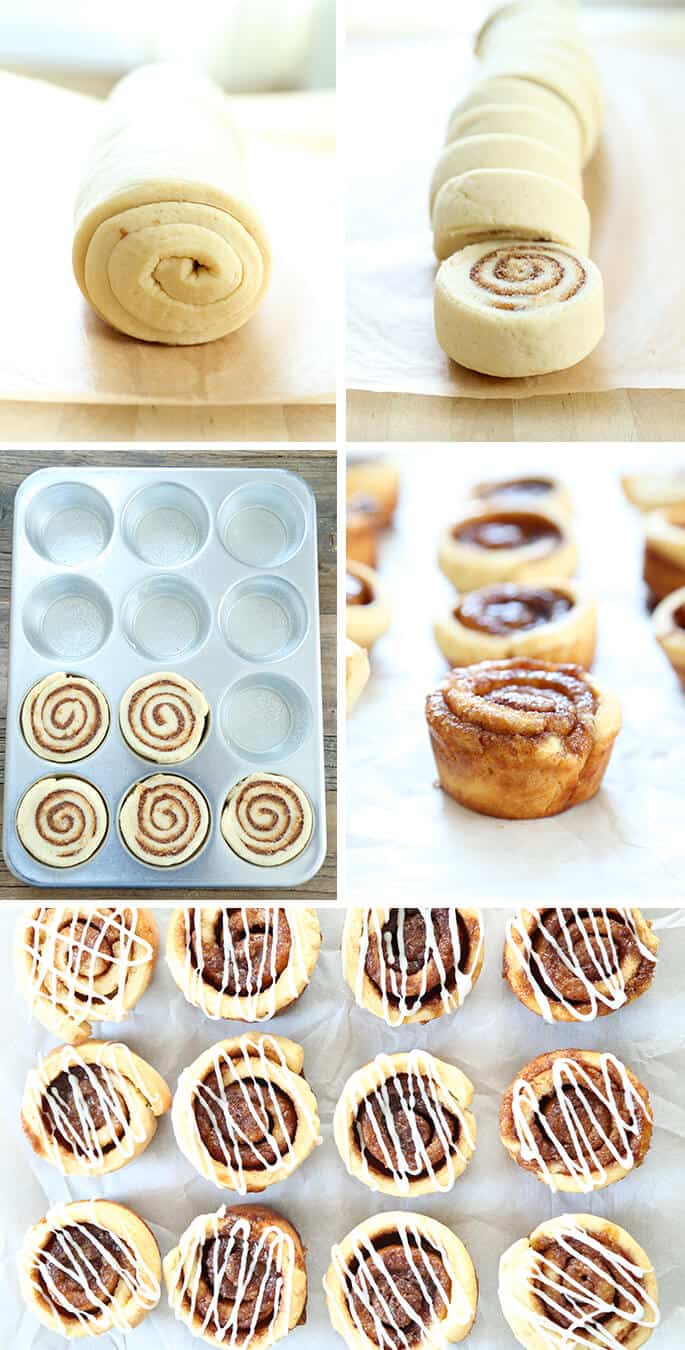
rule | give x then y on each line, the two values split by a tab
408	842
492	1205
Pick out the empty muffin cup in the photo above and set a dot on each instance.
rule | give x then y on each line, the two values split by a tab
265	717
165	618
69	523
261	524
263	619
67	616
165	525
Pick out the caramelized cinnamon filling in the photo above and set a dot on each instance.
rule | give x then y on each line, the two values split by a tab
251	1122
399	1291
589	1272
591	936
81	1266
358	591
246	952
679	616
411	964
517	487
240	1285
508	529
80	1101
403	1148
512	608
558	1109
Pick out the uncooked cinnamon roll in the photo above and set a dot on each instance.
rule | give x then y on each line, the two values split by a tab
521	738
378	480
514	619
357	672
579	1280
515	307
241	963
577	1119
525	493
400	1280
76	965
517	93
267	820
164	717
485	205
664	562
573	965
243	1113
364	522
164	820
412	965
367	609
484	546
64	718
238	1278
62	822
403	1125
89	1268
91	1110
668	622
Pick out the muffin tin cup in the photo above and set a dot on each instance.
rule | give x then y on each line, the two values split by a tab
120	572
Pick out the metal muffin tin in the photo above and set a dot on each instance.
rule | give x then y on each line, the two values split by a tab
211	572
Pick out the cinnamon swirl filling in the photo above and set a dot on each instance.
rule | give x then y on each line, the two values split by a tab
512	608
419	955
525	276
507	530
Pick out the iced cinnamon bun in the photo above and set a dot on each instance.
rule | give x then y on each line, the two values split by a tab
367	609
573	965
64	718
164	820
164	717
242	963
243	1113
267	820
484	546
551	621
521	738
578	1120
62	821
412	965
664	560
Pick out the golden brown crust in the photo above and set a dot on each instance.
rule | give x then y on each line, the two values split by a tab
357	672
527	624
527	493
377	480
664	559
485	544
368	615
364	522
668	623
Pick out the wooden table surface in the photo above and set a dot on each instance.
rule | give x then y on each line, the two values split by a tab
153	422
318	468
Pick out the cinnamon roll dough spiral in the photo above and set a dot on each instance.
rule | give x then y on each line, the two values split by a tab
238	1278
164	717
573	965
244	1115
486	204
91	1110
167	246
488	544
242	963
164	820
513	619
578	1120
522	738
64	718
517	307
579	1280
403	1126
412	965
502	146
398	1280
267	820
90	1268
62	821
76	965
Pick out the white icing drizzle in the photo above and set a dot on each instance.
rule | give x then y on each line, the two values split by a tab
260	1097
373	1286
427	1089
273	1248
204	994
580	1159
397	1003
139	1285
112	1088
57	953
585	1327
607	988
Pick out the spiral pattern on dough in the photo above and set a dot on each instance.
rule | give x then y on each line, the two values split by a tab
163	717
164	820
64	718
526	698
62	821
267	820
527	276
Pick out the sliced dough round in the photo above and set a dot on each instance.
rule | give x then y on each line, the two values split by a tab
504	151
489	203
560	133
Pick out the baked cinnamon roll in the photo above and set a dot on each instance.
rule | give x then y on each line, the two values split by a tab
364	522
267	820
573	965
484	546
412	965
579	1280
238	1278
668	622
357	672
62	821
515	619
64	718
367	612
664	562
650	491
76	965
578	1120
164	717
378	480
242	963
90	1268
403	1125
91	1110
164	820
243	1113
525	493
521	738
398	1280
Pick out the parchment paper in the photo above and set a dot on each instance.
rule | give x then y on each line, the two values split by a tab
409	841
492	1205
54	348
635	186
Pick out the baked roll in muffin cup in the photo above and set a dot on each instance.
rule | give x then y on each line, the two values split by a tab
525	492
357	672
514	619
487	544
668	622
664	558
367	608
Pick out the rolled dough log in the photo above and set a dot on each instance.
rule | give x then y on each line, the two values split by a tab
514	308
502	117
508	203
567	73
167	246
504	152
521	93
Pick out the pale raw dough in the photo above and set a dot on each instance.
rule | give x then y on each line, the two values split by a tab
562	134
488	203
558	316
267	820
64	718
519	92
62	821
163	717
566	72
504	151
167	246
164	820
357	671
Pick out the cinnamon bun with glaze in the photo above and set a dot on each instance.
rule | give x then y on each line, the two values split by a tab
412	965
668	622
513	619
367	608
64	718
487	544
